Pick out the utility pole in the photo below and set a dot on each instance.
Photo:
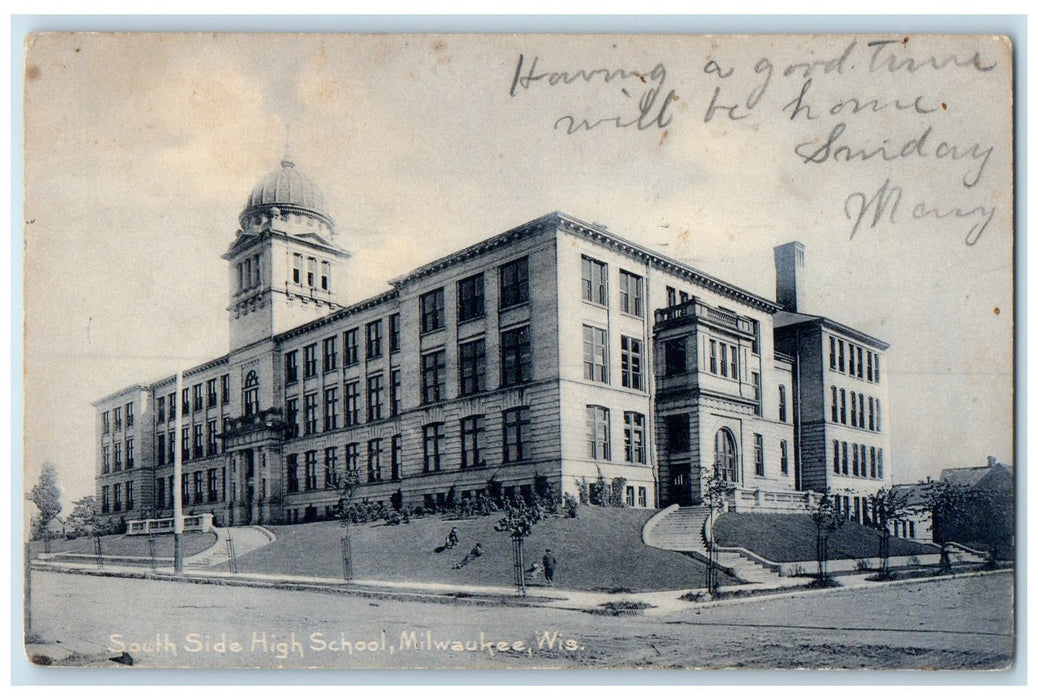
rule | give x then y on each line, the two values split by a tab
178	470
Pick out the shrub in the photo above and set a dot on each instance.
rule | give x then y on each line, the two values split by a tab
616	495
583	491
570	505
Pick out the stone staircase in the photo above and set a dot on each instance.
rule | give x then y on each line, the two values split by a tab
684	530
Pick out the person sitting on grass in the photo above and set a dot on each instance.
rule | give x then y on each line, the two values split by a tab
477	551
452	538
533	571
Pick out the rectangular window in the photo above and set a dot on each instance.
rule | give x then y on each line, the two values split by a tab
861	410
106	463
724	360
836	456
782	403
758	454
596	355
160	448
117	414
832	352
713	357
197	452
375	459
629	496
595	276
291	367
875	371
196	399
310	360
160	492
835	409
129	415
515	283
394	392
225	389
631	293
311	271
210	393
672	296
210	438
783	457
472	369
675	357
850	359
185	488
331	357
352	458
292	417
472	429
311	470
172	405
643	494
160	409
185	443
843	406
326	275
735	362
198	486
684	297
879	463
331	467
351	398
297	268
350	350
432	310
516	356
861	373
854	459
211	489
375	397
516	439
872	462
634	437
872	413
868	369
374	338
171	445
310	413
397	451
678	438
630	362
843	460
854	410
331	408
879	424
598	433
185	405
470	298
292	473
432	441
129	453
841	363
434	376
394	333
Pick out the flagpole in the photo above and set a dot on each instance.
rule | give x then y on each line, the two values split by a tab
178	470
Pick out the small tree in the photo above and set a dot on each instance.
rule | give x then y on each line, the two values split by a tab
951	510
83	520
887	506
46	494
518	522
828	518
346	484
716	498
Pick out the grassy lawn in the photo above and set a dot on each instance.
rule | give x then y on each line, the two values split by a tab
599	550
791	537
127	546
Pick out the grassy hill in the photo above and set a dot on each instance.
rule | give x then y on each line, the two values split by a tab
599	550
130	546
791	537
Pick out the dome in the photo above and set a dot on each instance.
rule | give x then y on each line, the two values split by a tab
288	190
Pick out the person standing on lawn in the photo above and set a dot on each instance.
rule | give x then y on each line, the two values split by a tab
548	561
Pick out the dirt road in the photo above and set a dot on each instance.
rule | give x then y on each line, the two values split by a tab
962	623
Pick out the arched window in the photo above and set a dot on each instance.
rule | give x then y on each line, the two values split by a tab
726	456
251	399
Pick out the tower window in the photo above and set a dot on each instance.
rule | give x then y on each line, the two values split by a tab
326	275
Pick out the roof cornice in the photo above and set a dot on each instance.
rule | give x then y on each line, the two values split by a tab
351	310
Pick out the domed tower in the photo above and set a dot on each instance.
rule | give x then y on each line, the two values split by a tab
286	266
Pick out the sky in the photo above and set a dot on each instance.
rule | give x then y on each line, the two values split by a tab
140	152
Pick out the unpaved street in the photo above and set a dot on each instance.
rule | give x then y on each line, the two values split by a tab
941	624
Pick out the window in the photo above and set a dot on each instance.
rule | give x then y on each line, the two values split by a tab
872	462
196	398
185	488
758	454
117	415
310	413
196	449
351	398
832	352
854	459
684	297
352	456
594	275
160	492
211	485
629	496
291	367
678	438
631	293
516	356
879	424
598	433
172	405
311	271
171	444
724	360
432	310
472	429
861	373
879	463
472	367
843	458
642	496
310	360
292	417
782	403
185	404
630	362
129	415
875	371
843	406
349	347
129	495
835	411
225	389
292	473
331	408
434	376
596	365
394	333
783	457
516	437
713	357
840	344
160	448
210	431
106	463
160	409
726	456
861	410
634	437
198	486
374	338
470	298
375	397
396	454
117	454
117	490
672	296
850	359
331	359
675	356
311	470
210	394
868	369
394	392
432	441
326	275
735	362
251	401
836	456
331	468
515	283
755	378
375	459
129	453
854	410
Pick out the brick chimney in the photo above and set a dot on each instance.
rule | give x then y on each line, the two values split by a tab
789	272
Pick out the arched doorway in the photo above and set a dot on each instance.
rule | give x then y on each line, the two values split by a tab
726	456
